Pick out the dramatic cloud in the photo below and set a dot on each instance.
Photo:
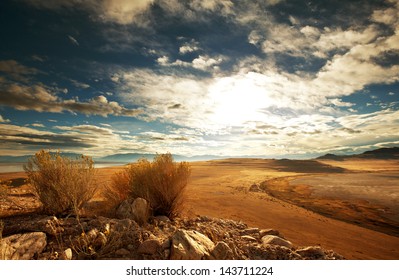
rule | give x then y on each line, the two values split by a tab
224	77
16	71
42	99
119	11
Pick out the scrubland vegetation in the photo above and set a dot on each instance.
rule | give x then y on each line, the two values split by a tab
161	182
64	185
61	184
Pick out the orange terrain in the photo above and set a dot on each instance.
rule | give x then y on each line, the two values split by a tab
220	189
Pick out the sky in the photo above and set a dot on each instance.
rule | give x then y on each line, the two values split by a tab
260	78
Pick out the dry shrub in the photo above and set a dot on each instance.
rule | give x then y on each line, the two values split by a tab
161	182
3	191
61	184
119	190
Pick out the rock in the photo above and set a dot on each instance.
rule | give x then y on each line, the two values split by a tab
269	231
222	251
255	188
23	246
163	219
190	245
100	240
166	244
138	210
6	250
250	231
124	210
141	210
122	252
68	254
275	240
149	247
312	252
248	238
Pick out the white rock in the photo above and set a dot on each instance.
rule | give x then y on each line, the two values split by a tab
23	246
275	240
190	245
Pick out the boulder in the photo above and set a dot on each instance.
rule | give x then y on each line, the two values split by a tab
141	210
275	240
222	251
149	247
311	252
250	231
248	238
190	245
138	210
124	210
269	231
23	246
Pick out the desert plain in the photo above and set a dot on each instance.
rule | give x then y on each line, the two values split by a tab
349	206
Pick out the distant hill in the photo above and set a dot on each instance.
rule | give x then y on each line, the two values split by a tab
25	158
132	157
120	158
382	153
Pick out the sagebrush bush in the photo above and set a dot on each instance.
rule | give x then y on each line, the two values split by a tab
61	184
161	182
119	190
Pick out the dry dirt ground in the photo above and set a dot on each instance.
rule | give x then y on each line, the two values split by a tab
221	189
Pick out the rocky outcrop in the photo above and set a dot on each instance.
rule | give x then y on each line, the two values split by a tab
159	239
22	246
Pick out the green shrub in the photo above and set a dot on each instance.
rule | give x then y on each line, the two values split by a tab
61	184
161	182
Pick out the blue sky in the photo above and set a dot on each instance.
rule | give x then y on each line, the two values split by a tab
273	78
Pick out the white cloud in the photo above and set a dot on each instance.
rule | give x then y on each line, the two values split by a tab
37	125
80	84
42	99
124	11
204	62
189	47
73	40
3	120
388	16
118	11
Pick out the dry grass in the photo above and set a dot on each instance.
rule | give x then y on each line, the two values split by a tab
3	191
61	184
119	190
161	182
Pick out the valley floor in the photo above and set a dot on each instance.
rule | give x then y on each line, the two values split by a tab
221	189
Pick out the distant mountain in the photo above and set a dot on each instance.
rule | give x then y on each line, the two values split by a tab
382	153
120	158
331	157
25	158
128	157
132	157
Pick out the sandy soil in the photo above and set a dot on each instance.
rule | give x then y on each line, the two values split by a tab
220	189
